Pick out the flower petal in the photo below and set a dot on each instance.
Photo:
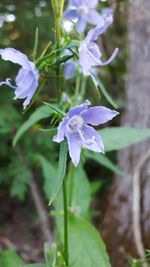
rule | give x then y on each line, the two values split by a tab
61	131
92	139
91	3
15	56
100	29
81	24
78	109
110	59
94	17
98	115
8	83
70	14
75	3
74	145
69	70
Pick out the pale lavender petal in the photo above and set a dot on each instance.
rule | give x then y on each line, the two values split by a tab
107	11
110	59
91	3
92	139
100	29
61	131
98	115
78	109
94	17
75	3
70	14
25	82
88	58
74	145
15	56
69	69
8	83
94	49
81	24
84	59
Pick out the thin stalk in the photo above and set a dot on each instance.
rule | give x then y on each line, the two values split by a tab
77	86
70	184
83	86
66	254
58	9
58	70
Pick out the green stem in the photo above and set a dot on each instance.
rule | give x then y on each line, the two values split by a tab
77	86
70	184
83	86
66	254
58	9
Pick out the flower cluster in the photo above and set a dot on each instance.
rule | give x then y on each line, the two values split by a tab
76	127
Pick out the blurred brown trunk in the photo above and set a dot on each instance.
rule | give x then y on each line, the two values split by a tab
117	228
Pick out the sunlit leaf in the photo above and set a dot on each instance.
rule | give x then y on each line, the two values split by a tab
116	138
106	162
86	248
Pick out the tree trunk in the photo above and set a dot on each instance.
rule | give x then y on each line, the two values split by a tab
117	228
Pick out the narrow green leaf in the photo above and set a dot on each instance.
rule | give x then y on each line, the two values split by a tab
86	248
55	108
61	170
108	97
104	161
35	48
116	138
41	113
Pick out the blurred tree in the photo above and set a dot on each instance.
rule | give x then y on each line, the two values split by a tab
117	225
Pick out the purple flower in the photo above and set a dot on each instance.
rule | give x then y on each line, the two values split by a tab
76	128
84	12
27	77
89	53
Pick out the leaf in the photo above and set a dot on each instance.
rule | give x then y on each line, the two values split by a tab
41	113
81	191
50	174
53	178
55	108
108	97
86	248
61	170
106	162
9	258
116	138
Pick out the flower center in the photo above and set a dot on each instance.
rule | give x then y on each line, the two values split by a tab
75	123
82	10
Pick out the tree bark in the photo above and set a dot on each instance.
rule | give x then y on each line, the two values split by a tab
117	228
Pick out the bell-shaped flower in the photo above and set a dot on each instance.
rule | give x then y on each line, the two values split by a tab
76	127
84	12
27	77
89	52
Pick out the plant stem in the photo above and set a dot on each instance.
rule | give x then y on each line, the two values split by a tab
83	86
58	9
66	255
58	70
70	183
